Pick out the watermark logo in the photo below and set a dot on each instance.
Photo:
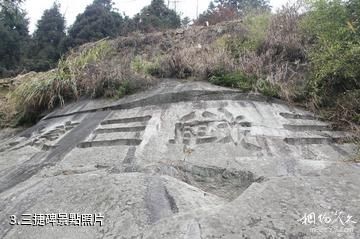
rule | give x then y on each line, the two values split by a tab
58	219
329	222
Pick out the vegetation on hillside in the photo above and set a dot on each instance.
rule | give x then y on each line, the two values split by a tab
21	52
308	57
334	81
83	73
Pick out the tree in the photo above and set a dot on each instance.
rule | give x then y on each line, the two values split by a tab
14	35
48	39
215	14
99	20
185	21
245	5
10	5
127	26
227	10
156	16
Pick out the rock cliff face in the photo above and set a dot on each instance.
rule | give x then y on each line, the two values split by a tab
184	160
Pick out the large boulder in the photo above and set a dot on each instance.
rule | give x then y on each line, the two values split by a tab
184	160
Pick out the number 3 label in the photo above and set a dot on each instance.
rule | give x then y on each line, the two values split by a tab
12	220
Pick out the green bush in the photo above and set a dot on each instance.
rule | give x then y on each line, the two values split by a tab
246	83
336	70
124	89
268	89
335	55
237	80
142	66
256	24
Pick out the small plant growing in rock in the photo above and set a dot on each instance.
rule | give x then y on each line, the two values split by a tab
237	80
142	66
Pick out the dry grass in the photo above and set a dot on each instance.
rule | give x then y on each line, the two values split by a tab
282	56
197	62
41	90
93	70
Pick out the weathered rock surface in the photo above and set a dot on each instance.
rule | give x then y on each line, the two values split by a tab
185	160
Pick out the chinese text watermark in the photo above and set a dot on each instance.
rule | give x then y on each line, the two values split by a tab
58	219
329	222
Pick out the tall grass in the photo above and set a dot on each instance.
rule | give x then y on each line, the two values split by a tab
72	70
37	91
45	90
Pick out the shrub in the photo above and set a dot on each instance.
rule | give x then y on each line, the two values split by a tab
246	83
268	89
335	71
345	111
124	89
256	23
336	52
142	66
234	80
273	49
334	85
284	39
